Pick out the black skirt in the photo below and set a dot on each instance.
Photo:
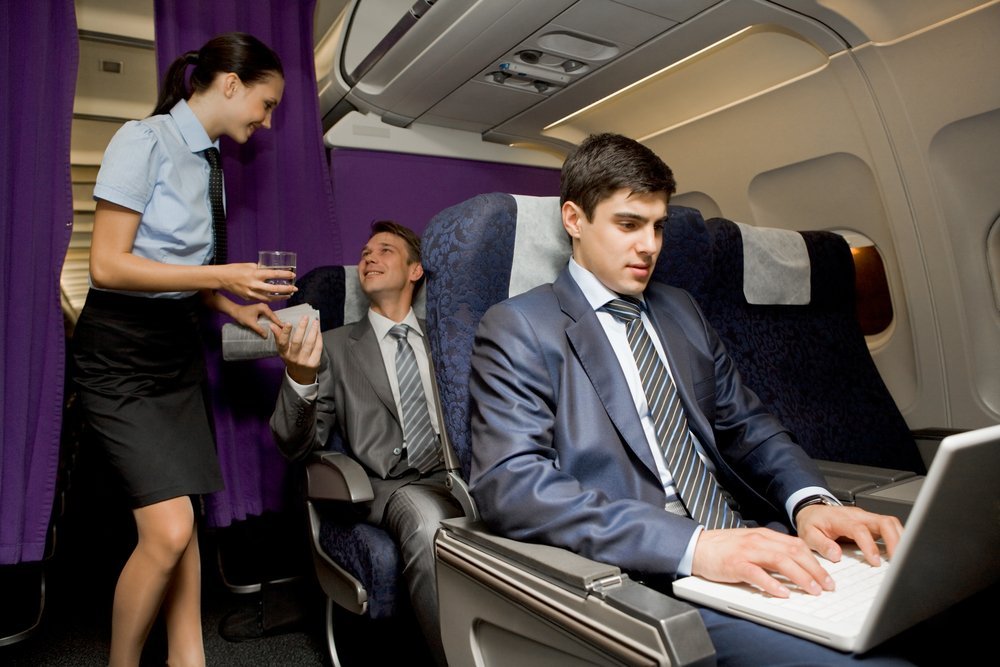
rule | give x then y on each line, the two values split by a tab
140	376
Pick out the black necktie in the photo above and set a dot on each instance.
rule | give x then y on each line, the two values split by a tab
698	490
218	210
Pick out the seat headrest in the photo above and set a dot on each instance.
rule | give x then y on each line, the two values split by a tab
775	266
814	268
541	246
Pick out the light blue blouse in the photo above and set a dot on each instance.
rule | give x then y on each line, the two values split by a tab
156	166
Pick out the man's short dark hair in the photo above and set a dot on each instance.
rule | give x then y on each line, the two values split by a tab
604	163
405	233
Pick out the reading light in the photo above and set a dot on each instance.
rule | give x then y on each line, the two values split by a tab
629	87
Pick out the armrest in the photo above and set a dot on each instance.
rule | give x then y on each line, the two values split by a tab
490	581
460	492
559	566
336	476
847	480
879	490
928	439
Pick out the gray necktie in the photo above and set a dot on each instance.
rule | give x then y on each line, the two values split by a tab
698	490
422	450
215	199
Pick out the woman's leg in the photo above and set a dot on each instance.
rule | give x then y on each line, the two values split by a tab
182	606
165	530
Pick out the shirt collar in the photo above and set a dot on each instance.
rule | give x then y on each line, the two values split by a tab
593	289
191	129
381	324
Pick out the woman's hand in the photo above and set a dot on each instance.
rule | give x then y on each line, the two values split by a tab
249	314
247	281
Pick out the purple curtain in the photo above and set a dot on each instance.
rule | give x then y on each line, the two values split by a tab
411	189
39	61
279	197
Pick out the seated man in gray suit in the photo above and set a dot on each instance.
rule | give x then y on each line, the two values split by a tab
608	419
371	382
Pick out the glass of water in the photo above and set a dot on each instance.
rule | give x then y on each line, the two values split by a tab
277	259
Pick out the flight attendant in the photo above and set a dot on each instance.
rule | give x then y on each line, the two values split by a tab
157	259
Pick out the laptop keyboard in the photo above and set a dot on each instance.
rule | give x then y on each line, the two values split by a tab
857	584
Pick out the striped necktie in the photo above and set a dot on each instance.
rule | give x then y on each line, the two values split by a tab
422	450
699	492
218	210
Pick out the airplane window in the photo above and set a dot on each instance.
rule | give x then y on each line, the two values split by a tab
993	260
871	285
874	304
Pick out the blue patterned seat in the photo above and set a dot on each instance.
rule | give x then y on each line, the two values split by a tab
357	564
810	363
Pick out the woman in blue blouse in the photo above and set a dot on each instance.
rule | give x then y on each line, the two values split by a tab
140	369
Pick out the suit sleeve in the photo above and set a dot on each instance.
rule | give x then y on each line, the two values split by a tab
299	425
757	446
517	482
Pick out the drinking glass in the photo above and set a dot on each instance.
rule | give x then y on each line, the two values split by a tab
277	259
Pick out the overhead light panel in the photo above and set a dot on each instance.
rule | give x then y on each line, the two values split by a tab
716	45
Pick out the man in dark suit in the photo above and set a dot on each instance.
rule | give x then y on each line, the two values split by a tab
608	419
372	383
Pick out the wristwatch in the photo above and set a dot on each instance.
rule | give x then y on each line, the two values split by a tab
815	500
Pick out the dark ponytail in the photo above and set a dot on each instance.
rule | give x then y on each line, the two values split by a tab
242	54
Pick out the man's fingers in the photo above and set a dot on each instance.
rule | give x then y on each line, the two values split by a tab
891	530
299	334
802	569
863	538
757	576
821	544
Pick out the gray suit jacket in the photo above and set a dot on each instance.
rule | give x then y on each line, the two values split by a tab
355	403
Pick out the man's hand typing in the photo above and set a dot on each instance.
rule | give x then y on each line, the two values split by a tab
754	555
751	555
820	526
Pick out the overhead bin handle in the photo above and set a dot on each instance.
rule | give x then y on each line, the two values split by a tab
395	34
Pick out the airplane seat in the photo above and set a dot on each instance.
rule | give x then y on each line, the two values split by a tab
504	601
794	335
686	259
357	564
458	236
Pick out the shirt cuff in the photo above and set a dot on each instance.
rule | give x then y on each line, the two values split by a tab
684	567
800	495
307	392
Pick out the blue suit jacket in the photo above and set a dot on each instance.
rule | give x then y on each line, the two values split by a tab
558	451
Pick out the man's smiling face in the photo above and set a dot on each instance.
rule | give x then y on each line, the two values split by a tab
385	265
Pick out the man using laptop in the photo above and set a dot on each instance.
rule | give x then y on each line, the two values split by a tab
608	419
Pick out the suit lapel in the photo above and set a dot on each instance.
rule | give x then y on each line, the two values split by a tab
677	349
594	352
365	349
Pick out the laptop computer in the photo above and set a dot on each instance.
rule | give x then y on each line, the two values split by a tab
948	552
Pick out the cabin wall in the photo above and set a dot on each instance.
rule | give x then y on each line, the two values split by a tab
898	140
411	189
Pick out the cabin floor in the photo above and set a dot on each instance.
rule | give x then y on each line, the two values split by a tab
95	535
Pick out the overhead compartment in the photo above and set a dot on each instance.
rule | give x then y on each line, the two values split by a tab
474	64
547	72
